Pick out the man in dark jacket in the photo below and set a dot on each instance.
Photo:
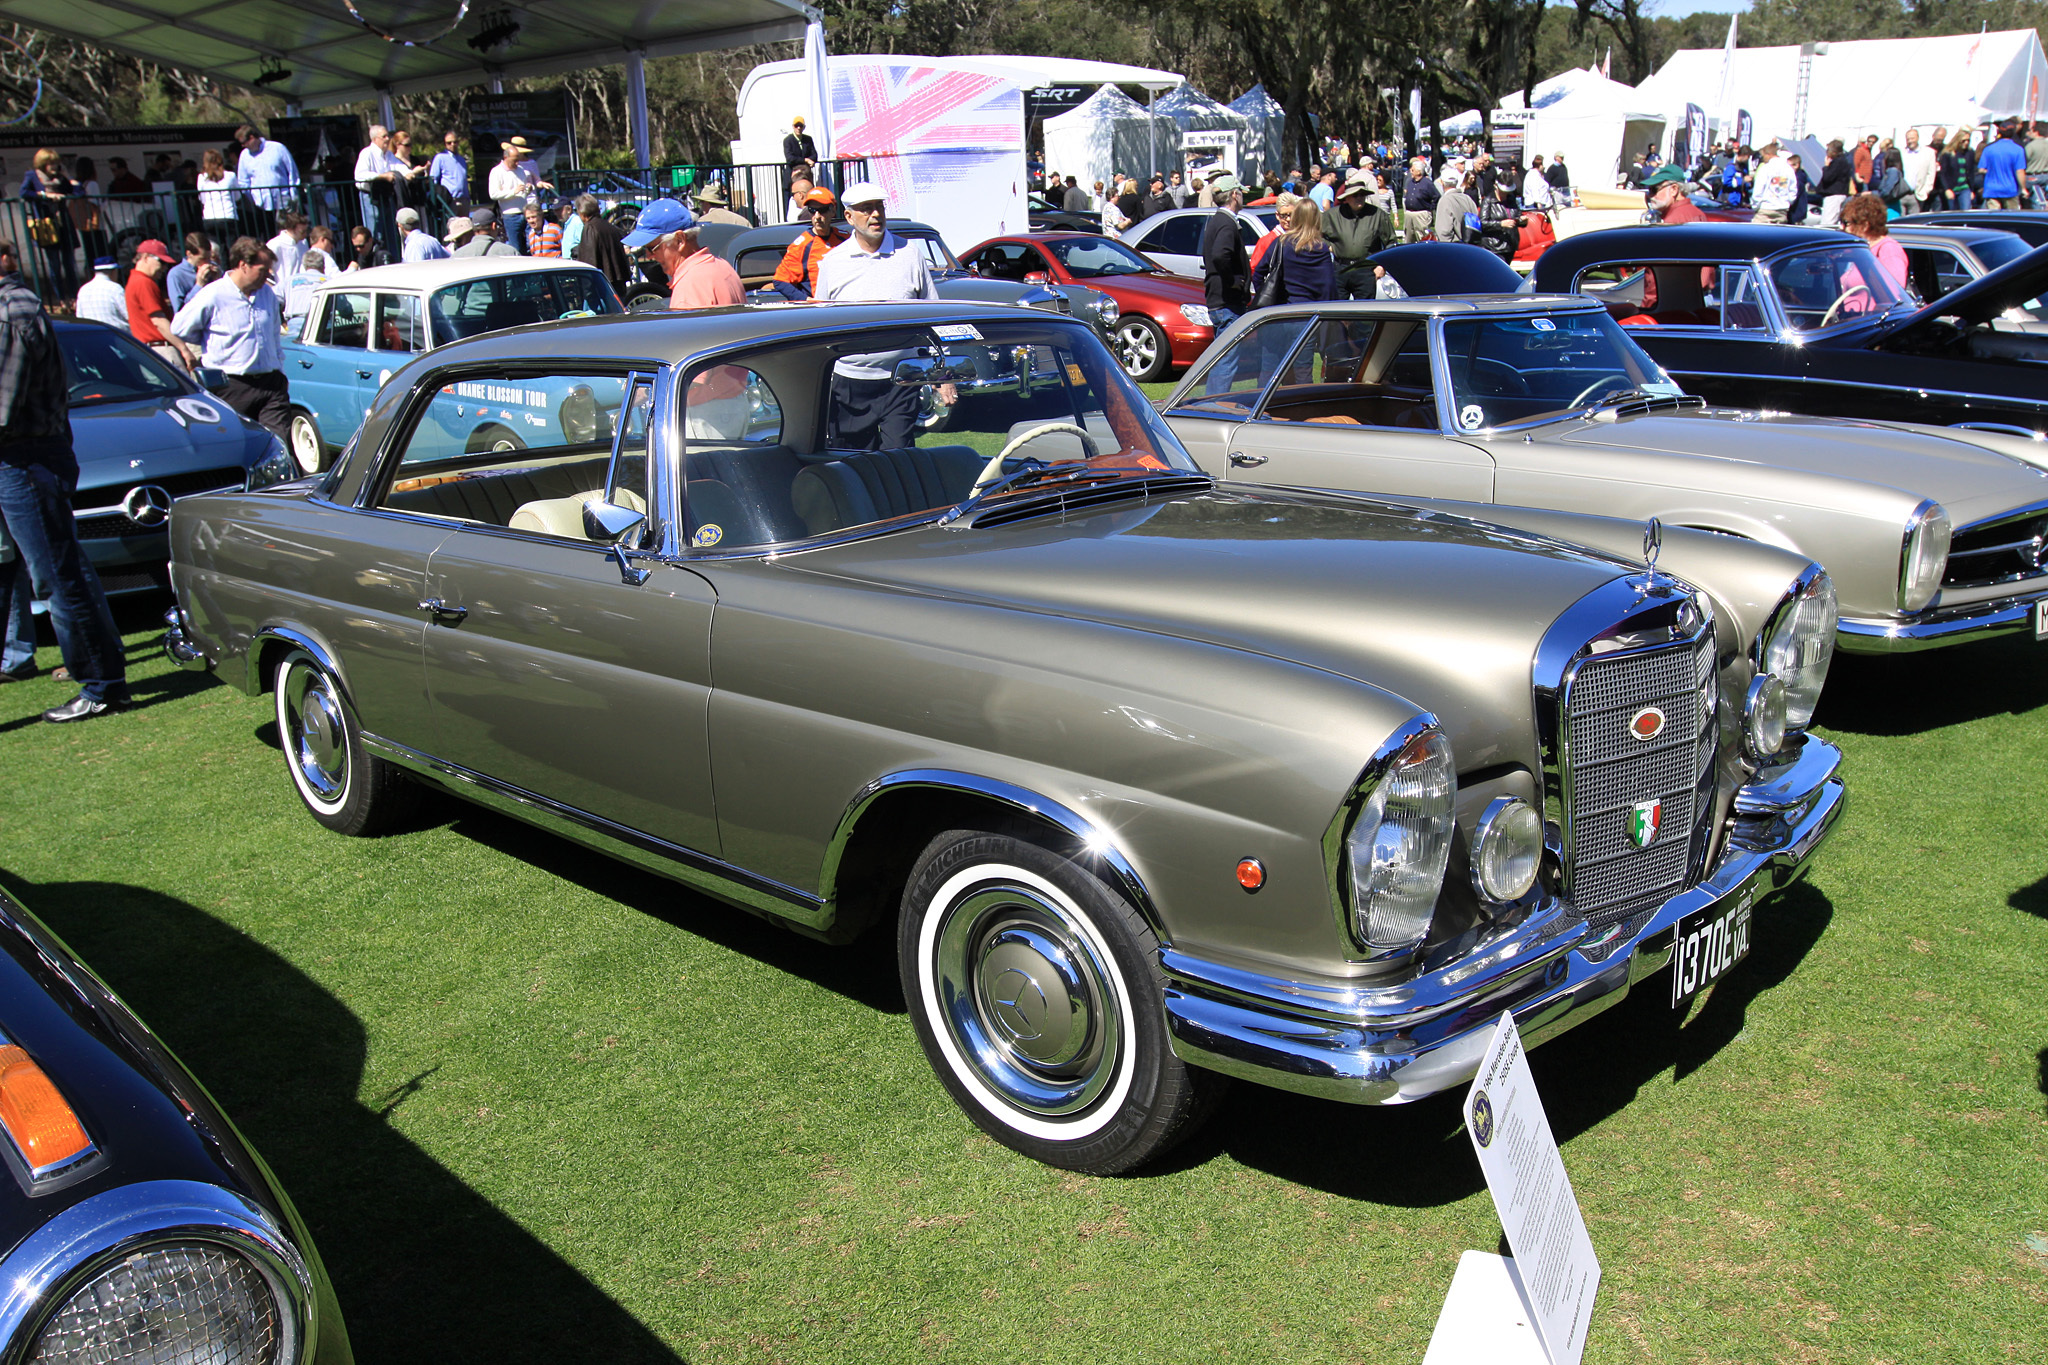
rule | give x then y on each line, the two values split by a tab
601	245
1226	270
1418	200
1157	200
1355	229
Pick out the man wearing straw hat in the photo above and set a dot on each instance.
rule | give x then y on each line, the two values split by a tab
710	202
516	182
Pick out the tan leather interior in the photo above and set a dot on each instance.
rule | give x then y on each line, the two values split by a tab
564	516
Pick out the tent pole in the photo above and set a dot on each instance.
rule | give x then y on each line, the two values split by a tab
636	108
385	114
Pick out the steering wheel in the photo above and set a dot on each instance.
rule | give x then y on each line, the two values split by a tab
1851	292
993	470
1600	385
1501	375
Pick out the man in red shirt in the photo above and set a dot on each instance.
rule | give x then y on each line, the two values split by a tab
799	265
149	307
1667	196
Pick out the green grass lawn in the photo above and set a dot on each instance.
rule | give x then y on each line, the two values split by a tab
537	1106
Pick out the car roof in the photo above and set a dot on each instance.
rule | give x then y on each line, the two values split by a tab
1676	242
1459	305
452	270
782	234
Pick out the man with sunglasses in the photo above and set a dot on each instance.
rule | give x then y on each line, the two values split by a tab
799	267
870	411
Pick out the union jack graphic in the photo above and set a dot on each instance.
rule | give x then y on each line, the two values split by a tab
888	114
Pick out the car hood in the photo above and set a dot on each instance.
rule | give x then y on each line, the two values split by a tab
1967	479
1428	269
1170	290
2015	284
157	437
1440	610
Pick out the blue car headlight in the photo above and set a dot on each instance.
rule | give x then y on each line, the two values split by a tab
276	466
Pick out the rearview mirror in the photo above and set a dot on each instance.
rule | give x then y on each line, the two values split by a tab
918	372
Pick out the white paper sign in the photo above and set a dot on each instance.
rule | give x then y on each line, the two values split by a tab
1553	1256
1485	1319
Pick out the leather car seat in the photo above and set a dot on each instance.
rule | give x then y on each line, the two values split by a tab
564	516
874	485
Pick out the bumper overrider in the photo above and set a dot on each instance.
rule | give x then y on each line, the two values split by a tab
1393	1044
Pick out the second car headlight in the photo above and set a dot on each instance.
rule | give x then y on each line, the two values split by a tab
1198	314
1925	556
1399	844
1799	643
1106	310
276	466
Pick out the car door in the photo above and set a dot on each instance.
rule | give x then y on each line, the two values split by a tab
332	373
554	667
1355	408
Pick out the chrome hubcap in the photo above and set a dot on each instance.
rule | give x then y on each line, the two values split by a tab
1137	349
305	445
317	743
1027	998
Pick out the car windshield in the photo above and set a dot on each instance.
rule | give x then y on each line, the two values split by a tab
102	366
1518	368
497	302
2002	250
1098	257
1830	285
937	254
913	422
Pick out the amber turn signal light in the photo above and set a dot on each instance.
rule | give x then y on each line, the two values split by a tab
1251	874
39	1122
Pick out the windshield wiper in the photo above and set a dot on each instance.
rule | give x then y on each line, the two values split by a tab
1036	472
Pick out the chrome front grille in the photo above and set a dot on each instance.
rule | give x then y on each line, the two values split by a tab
1608	774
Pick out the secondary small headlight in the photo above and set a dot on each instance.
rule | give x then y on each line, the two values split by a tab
1763	718
1799	644
1198	314
1400	843
1106	311
184	1301
1925	556
1507	850
276	466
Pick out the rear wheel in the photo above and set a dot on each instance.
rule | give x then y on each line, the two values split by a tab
1036	994
494	437
308	450
1141	348
343	787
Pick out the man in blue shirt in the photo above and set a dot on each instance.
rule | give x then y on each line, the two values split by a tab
238	323
2004	167
450	171
195	270
265	173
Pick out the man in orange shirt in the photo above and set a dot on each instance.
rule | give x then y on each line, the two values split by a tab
149	307
800	263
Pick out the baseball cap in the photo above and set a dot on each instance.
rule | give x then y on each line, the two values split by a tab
863	193
409	216
659	219
820	198
1665	175
1224	183
797	122
152	247
105	263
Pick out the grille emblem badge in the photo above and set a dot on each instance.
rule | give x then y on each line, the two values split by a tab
1644	819
147	505
1646	724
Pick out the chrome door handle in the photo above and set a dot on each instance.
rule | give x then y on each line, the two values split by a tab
441	611
362	374
305	364
1243	461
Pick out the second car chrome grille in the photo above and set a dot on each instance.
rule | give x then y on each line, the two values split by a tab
1631	803
1998	552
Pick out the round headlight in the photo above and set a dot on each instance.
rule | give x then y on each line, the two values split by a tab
1925	556
1799	644
1507	850
1763	718
1400	843
1106	310
181	1301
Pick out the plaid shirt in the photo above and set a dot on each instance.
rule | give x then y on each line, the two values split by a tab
34	396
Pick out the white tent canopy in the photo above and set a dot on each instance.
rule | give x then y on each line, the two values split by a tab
1594	122
1266	142
1880	86
1110	131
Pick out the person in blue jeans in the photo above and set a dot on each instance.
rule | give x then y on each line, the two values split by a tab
38	475
18	642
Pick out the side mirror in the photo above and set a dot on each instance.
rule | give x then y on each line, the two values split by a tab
211	379
607	523
1034	277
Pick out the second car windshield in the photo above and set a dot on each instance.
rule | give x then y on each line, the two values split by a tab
102	366
1096	257
1831	285
500	301
1517	369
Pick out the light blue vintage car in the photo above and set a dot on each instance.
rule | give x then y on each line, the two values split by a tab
363	325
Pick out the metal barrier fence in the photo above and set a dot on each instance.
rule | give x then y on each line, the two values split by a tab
756	191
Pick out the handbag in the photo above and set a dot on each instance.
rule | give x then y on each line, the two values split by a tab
85	214
43	229
1275	287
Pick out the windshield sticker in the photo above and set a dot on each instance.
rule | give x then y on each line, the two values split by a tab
199	410
708	535
1471	417
1543	324
956	331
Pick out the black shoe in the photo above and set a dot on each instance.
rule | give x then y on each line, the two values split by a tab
82	707
22	674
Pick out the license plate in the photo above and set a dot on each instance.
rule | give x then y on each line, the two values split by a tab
2041	619
1709	943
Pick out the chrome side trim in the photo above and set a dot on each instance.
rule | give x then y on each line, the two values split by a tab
2004	428
2003	400
700	871
1364	1046
60	1255
1096	840
1337	834
1938	625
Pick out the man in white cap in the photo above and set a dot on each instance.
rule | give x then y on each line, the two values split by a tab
417	245
870	411
514	183
102	300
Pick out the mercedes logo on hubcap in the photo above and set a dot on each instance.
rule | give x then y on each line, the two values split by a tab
1019	1005
147	505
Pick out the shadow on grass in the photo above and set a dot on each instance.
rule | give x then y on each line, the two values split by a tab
1904	694
1417	1155
425	1268
2032	899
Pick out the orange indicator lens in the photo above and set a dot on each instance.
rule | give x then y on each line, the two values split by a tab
1251	874
41	1124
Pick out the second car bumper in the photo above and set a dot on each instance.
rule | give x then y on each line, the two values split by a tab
1938	626
1393	1044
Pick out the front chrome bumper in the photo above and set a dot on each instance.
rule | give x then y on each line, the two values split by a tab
1940	626
178	643
1393	1044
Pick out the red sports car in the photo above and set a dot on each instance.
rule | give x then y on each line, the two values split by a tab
1163	320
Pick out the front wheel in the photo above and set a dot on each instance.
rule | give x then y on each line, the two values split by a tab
1141	348
309	452
343	787
1036	994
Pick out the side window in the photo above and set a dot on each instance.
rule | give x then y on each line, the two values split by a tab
582	293
1740	311
524	450
1359	373
1232	385
1003	261
1658	294
1249	233
345	321
1176	236
736	471
398	323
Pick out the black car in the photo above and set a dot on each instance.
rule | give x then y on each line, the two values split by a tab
136	1223
2031	225
1806	321
1047	216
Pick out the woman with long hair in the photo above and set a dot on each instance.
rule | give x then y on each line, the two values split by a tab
1865	216
1965	183
46	193
217	199
1308	270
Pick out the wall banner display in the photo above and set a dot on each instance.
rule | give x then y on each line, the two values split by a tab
545	118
